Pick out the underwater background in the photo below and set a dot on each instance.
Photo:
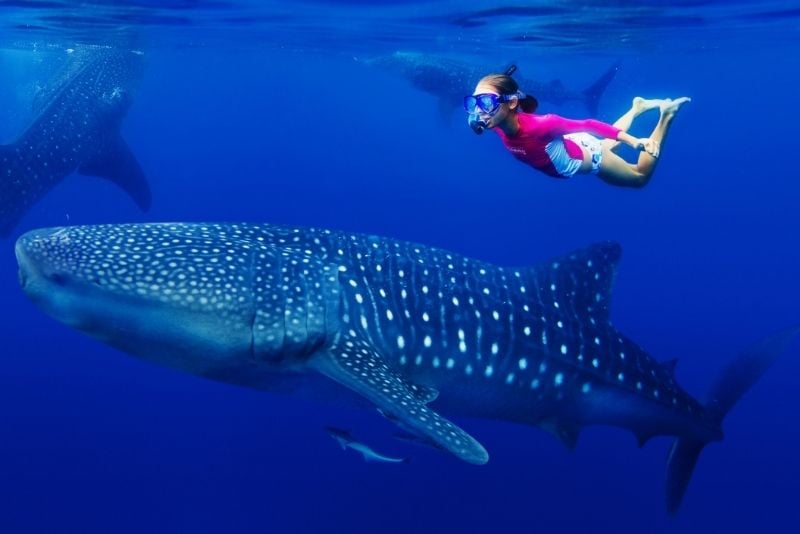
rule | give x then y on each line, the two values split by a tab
272	112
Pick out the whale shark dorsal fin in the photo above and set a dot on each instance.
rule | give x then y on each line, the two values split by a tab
358	366
584	278
116	162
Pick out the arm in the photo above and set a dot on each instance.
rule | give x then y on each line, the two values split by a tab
645	143
633	142
560	126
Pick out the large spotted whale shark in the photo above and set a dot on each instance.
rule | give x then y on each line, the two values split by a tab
417	332
75	128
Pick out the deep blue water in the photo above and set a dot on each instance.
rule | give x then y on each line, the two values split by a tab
242	128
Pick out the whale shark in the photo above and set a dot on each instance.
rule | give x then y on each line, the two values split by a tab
76	125
449	80
419	333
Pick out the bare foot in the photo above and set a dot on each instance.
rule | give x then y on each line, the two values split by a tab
640	105
670	107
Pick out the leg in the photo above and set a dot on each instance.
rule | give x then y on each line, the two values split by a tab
616	171
639	106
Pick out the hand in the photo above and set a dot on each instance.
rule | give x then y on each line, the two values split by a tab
648	145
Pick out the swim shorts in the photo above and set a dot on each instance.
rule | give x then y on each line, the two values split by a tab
590	143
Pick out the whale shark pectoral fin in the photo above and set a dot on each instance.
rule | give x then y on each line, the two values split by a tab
361	369
403	435
118	164
425	394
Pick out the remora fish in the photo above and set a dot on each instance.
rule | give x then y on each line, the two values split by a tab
76	128
416	331
346	441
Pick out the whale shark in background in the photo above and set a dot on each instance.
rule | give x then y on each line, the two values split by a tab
75	128
449	80
417	332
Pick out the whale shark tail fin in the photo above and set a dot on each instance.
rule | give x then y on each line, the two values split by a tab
736	379
593	93
115	163
118	164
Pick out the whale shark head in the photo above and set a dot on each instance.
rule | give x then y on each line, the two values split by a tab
169	293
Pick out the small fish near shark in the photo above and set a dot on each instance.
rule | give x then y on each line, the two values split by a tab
76	127
449	80
417	332
346	441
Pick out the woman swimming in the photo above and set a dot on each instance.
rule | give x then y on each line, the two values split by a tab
563	147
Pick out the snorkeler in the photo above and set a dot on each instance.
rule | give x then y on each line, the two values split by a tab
563	147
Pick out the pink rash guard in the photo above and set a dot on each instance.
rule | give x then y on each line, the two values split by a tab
541	136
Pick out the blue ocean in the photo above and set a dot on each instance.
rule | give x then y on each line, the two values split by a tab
348	116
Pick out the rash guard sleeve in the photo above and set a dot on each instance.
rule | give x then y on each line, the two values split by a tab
560	126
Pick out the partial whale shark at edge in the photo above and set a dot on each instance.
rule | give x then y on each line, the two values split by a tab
75	128
417	332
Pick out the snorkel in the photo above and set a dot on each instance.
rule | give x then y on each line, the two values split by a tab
474	120
476	123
